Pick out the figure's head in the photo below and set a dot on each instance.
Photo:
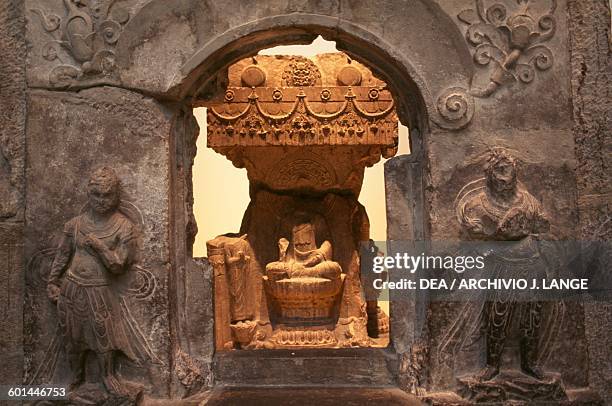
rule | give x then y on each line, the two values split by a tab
103	190
304	237
500	171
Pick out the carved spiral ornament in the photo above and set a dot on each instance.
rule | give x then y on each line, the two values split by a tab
110	31
456	108
50	51
496	14
300	72
525	73
540	56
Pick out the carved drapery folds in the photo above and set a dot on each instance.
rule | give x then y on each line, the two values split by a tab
305	132
509	39
82	41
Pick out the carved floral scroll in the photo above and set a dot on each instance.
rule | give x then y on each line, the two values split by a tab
509	39
83	40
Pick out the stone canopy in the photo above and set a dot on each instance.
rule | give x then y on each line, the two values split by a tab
330	112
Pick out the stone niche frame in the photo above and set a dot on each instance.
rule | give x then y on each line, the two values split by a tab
201	80
171	56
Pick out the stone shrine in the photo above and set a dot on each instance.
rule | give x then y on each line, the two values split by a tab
102	293
305	130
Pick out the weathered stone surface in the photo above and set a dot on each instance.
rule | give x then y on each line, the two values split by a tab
358	367
406	226
304	396
591	84
70	135
191	281
12	187
12	109
11	327
513	387
549	108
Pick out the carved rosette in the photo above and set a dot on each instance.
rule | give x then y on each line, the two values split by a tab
301	72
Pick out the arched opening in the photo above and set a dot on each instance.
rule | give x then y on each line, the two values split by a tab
200	74
212	171
205	82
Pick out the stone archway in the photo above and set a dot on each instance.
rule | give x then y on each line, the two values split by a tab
439	95
202	81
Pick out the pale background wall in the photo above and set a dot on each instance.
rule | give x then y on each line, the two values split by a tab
221	191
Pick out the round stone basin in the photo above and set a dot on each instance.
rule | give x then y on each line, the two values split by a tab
304	298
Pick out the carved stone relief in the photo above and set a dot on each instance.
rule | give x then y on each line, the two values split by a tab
89	277
498	207
509	39
81	41
301	72
456	108
81	50
12	111
304	116
290	278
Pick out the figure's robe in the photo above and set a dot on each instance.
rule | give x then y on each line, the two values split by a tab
93	315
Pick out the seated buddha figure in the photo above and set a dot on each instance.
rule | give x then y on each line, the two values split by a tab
302	259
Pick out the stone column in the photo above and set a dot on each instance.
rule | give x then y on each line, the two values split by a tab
216	257
405	233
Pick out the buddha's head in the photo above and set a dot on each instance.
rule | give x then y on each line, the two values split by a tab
304	237
103	190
